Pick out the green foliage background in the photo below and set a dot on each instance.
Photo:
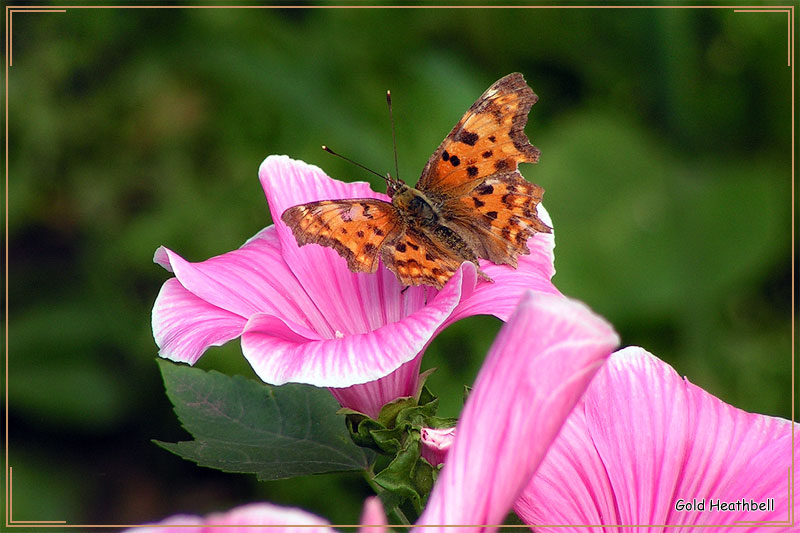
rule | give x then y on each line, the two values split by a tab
666	157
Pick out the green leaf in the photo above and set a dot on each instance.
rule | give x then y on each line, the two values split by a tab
240	425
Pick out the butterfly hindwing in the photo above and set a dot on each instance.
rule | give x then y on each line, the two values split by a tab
489	138
417	259
498	216
356	229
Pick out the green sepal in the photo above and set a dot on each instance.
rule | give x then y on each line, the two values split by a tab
386	434
423	378
361	427
406	481
390	412
418	415
465	394
408	478
441	422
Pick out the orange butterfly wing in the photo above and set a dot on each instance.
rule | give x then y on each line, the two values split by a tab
356	229
487	208
498	217
418	259
489	138
474	176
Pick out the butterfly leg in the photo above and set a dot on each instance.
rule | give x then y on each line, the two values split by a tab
481	274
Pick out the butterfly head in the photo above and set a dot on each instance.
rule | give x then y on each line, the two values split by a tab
394	185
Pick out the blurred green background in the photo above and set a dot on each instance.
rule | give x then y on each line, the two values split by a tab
666	157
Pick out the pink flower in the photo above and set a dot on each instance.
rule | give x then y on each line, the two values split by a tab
254	514
304	317
647	447
535	372
436	443
644	443
537	369
274	518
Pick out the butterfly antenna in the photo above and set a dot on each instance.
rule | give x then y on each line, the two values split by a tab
356	164
394	138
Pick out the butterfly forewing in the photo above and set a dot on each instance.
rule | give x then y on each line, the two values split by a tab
356	229
489	138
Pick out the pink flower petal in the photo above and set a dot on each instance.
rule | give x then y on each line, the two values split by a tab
173	524
279	354
645	439
646	445
184	326
254	278
373	518
733	455
560	495
248	517
267	514
368	398
538	367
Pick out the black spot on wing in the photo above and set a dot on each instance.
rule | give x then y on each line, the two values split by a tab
366	207
467	137
484	189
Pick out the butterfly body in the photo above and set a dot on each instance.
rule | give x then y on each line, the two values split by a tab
414	205
424	221
469	203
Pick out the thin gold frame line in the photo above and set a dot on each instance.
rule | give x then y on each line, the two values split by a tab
10	9
11	26
11	520
402	7
788	27
7	476
173	6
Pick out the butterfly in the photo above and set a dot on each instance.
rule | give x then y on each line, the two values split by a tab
470	202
